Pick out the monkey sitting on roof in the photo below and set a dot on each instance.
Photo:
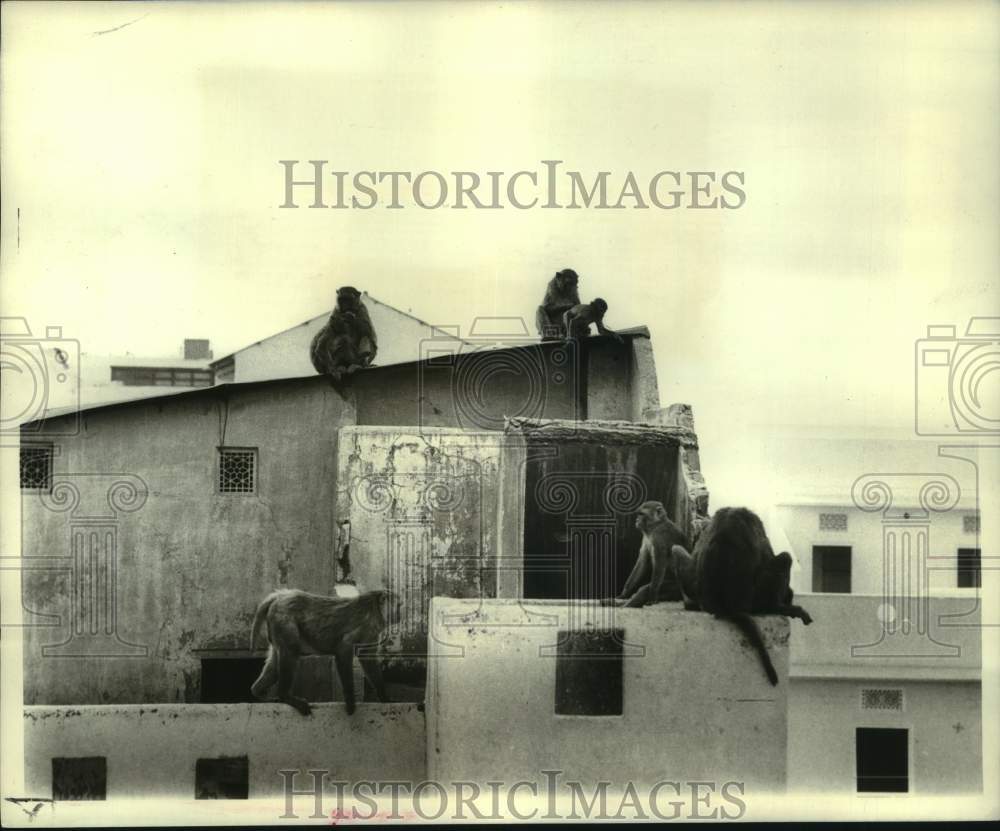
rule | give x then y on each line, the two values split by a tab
347	341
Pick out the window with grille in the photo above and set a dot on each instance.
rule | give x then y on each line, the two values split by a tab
36	467
237	469
970	523
882	699
968	568
833	522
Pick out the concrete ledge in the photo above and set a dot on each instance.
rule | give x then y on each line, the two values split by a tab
696	704
151	750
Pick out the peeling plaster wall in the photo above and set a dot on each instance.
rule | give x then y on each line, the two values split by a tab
191	563
423	512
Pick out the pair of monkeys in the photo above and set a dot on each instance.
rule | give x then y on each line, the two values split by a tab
563	316
732	574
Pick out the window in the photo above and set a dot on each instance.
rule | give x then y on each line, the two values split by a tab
833	522
970	524
139	376
84	777
831	568
227	777
237	469
883	763
968	568
36	467
589	671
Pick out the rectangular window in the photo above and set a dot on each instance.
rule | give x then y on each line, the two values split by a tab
883	763
36	467
237	469
132	376
832	568
589	671
970	524
968	568
79	778
227	777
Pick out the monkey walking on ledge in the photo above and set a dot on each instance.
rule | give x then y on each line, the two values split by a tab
577	320
299	623
734	574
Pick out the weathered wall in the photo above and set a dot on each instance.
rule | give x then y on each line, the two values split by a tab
945	747
476	386
191	562
151	751
423	512
491	694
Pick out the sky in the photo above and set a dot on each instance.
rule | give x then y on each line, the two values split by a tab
141	182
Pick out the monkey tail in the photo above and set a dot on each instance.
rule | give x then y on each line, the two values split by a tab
748	627
258	619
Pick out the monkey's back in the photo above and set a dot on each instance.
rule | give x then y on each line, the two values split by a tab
727	557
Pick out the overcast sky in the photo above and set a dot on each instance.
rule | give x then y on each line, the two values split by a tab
143	164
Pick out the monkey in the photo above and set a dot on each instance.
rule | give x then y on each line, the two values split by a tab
576	321
653	578
561	295
347	341
734	573
301	623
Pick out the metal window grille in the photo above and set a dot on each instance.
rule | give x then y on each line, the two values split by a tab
36	467
882	699
237	470
833	522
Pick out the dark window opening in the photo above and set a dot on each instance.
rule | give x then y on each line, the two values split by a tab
883	763
237	470
968	568
227	777
589	670
580	539
80	778
832	568
228	680
36	467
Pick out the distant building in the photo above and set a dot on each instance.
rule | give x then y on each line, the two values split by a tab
286	354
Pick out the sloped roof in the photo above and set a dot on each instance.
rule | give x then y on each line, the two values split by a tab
58	412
